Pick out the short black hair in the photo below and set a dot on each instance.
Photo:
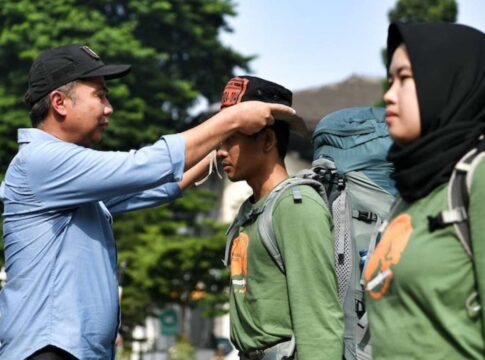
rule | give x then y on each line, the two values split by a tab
281	130
40	109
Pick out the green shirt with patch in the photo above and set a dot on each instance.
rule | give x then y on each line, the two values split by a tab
417	310
267	307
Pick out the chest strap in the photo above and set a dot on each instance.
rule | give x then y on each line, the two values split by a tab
447	217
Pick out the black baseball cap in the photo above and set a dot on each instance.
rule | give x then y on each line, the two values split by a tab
59	66
246	88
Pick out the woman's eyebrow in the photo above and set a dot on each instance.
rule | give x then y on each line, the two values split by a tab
402	68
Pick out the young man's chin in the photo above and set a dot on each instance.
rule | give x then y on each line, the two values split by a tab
232	177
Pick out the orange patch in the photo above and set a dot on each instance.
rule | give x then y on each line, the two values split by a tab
387	253
233	92
239	262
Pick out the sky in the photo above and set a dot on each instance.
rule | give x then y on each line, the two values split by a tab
304	44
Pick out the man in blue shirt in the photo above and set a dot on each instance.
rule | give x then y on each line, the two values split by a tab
61	297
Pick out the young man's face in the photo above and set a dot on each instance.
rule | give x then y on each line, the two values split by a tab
87	112
241	156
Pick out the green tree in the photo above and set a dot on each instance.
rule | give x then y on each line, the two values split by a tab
177	57
424	11
174	259
173	46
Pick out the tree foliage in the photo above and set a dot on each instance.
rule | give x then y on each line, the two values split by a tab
424	11
173	46
419	11
173	255
176	55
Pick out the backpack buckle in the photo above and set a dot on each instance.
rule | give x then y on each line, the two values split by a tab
251	217
435	222
340	182
366	216
254	355
472	305
447	217
359	308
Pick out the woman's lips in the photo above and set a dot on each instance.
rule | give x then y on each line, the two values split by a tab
390	116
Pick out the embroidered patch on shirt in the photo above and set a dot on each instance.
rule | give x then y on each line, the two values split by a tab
378	274
239	263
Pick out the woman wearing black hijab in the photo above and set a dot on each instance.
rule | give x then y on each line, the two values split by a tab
425	294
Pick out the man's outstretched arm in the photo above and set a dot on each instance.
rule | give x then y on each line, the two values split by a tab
248	117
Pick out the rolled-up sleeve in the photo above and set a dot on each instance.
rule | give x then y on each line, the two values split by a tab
63	174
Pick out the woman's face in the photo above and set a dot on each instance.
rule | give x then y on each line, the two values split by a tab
402	108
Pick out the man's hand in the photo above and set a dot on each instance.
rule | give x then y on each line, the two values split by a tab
251	116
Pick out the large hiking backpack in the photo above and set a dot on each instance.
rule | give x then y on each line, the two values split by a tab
351	174
357	140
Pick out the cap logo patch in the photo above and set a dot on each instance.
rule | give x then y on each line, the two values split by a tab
233	92
90	52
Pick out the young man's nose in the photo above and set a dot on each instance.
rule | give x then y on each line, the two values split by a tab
221	153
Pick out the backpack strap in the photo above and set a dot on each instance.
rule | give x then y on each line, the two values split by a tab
242	218
265	226
458	197
265	223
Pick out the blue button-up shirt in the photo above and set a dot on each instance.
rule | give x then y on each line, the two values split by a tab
59	247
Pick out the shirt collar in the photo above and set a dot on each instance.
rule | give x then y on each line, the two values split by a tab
25	136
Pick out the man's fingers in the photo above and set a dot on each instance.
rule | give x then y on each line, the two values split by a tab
283	112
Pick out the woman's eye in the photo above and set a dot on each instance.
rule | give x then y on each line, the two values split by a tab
403	77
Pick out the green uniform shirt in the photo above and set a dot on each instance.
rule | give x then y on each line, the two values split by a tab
267	307
418	311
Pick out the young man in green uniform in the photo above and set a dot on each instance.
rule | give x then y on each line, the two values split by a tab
273	315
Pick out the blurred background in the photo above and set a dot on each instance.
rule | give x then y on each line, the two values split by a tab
329	53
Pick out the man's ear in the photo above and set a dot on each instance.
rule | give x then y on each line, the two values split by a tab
58	102
269	140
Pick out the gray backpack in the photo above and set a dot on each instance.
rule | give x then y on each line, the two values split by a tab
351	174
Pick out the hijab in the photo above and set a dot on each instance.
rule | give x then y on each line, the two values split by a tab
448	64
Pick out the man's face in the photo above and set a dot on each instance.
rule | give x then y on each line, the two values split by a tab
241	156
87	111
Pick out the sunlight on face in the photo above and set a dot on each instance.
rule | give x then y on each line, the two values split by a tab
87	116
402	107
